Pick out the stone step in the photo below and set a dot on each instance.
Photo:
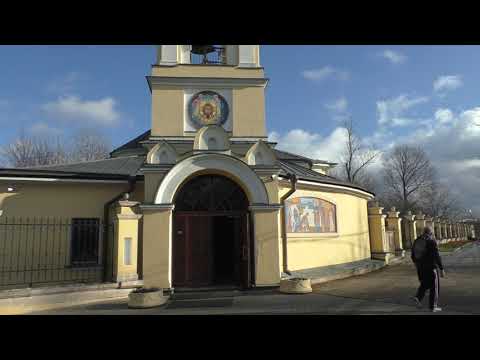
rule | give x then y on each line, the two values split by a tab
212	293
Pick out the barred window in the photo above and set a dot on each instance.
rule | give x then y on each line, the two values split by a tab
85	241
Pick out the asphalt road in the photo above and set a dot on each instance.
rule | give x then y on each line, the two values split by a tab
386	291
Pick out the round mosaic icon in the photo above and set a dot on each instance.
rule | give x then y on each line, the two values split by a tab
208	108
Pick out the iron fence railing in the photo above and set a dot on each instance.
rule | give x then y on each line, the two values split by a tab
40	251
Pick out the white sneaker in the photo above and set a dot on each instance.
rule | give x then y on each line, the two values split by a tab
417	302
436	309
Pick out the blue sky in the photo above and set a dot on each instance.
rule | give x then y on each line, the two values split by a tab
426	94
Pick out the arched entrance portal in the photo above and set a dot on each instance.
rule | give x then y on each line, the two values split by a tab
211	243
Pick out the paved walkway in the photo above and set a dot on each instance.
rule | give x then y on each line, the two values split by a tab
386	291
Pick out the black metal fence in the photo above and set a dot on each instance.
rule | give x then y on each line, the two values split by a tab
41	251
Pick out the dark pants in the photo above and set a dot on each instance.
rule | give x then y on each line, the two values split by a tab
429	280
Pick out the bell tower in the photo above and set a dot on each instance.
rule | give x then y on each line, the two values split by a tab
193	86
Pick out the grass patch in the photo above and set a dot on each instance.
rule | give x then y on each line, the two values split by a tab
453	245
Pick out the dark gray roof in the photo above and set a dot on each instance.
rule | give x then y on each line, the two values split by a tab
303	173
135	144
132	144
123	166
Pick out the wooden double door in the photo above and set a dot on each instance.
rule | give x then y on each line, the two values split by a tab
211	248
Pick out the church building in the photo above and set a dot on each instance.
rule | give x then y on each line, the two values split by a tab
201	199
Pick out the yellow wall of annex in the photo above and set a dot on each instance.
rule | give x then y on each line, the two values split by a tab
42	237
57	199
351	243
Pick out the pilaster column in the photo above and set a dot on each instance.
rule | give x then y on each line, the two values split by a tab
266	227
125	242
394	222
378	238
157	245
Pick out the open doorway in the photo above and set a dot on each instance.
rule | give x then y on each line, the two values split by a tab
211	243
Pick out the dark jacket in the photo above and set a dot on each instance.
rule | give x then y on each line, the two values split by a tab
431	259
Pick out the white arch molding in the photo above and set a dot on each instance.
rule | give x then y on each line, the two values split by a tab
214	163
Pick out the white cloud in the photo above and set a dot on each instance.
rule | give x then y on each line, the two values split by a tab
312	145
338	109
101	112
391	112
339	105
324	73
42	128
394	57
452	144
66	84
453	147
444	116
447	82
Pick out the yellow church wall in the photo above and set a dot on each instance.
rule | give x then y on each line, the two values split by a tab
350	243
251	122
207	71
168	110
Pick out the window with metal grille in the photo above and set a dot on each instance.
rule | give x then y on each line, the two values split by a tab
85	241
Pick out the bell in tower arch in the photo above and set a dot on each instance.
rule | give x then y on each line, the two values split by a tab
208	54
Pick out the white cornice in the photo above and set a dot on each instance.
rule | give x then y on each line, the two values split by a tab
265	207
13	178
332	187
154	139
158	207
209	82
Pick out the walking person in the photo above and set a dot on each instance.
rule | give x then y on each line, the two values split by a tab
428	262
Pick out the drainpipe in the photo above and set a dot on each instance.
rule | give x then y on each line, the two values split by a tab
106	213
293	182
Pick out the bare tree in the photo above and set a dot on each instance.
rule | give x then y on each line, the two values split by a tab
20	152
88	146
407	171
31	151
355	159
438	201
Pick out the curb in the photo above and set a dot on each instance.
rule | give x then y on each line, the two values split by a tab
27	305
457	249
348	274
28	300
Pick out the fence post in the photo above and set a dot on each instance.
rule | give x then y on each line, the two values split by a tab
420	223
429	221
410	225
125	241
376	224
394	223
